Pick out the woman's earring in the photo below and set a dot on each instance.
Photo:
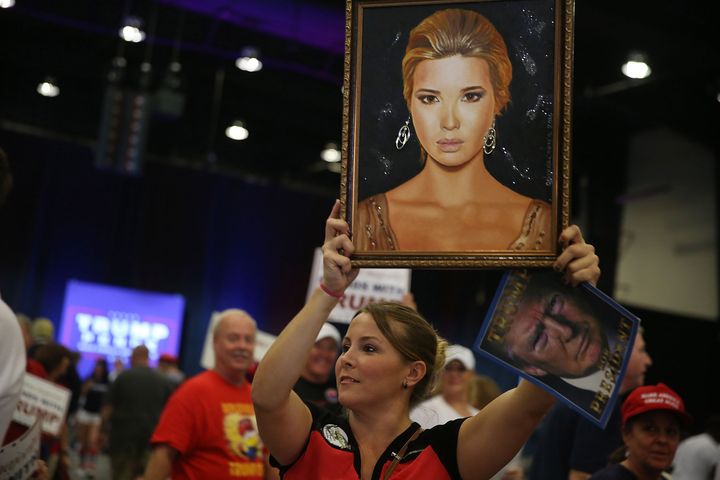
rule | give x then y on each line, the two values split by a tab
404	384
489	140
403	135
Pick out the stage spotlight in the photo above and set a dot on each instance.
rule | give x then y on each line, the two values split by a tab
132	30
237	131
249	60
330	153
7	3
48	88
636	66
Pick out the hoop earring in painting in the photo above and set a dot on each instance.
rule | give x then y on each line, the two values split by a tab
403	135
489	140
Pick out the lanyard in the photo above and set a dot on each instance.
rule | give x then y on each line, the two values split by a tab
399	456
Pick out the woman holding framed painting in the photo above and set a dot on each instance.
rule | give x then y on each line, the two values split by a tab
390	358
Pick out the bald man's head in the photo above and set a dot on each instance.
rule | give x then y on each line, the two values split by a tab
140	356
234	344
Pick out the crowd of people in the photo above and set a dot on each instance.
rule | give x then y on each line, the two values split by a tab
104	414
422	411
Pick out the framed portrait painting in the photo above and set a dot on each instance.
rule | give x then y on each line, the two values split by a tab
456	131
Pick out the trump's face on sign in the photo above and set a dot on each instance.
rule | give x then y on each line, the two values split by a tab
553	332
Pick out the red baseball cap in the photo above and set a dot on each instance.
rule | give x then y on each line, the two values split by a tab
654	397
166	357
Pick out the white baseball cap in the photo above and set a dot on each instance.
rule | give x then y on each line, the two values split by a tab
461	354
329	331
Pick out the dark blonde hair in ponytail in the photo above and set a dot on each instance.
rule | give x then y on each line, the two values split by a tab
411	335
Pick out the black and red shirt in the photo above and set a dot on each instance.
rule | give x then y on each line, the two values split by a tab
331	452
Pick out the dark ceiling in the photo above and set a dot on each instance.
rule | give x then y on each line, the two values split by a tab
294	105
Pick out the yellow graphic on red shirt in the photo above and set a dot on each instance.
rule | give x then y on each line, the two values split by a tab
242	436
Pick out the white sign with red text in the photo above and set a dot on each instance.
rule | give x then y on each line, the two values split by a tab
42	400
371	285
18	459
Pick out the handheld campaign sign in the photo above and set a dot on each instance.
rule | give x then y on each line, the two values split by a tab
573	342
44	401
371	285
18	460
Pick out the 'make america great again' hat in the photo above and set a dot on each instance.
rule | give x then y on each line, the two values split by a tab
651	398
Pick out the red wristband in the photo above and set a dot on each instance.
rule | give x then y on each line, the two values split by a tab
330	292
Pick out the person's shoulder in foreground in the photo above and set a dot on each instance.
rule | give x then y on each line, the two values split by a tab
12	359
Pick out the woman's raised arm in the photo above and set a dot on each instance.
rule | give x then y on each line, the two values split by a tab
284	421
491	438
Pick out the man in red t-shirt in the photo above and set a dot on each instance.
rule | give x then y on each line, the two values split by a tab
208	427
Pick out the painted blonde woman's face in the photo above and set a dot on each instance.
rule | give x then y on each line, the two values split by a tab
452	107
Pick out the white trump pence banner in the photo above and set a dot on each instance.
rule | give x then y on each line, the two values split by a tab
44	401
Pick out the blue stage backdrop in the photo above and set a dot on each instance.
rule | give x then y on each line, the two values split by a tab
219	241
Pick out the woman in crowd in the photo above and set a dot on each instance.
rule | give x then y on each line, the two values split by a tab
453	400
88	415
390	357
456	78
56	360
651	420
